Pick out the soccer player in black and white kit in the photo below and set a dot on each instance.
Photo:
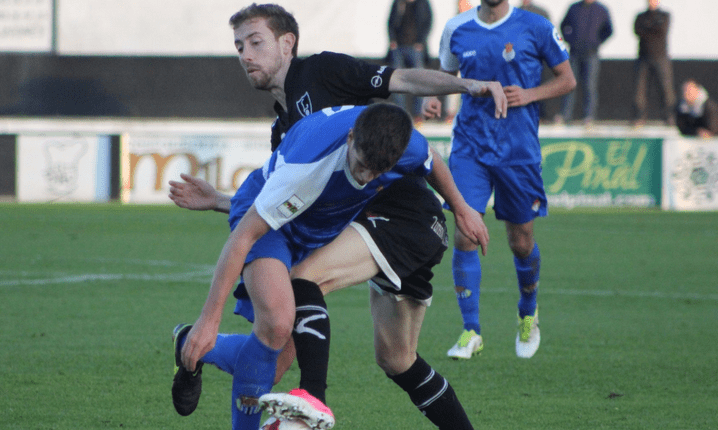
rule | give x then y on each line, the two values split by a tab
397	240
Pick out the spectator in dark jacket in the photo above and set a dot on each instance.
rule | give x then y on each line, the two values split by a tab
585	27
409	26
696	114
651	27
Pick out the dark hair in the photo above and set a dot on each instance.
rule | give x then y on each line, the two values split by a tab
278	19
381	134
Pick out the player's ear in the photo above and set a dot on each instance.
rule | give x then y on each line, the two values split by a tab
287	41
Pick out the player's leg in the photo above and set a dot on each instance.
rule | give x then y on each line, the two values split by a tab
520	198
345	261
475	184
269	287
397	324
640	100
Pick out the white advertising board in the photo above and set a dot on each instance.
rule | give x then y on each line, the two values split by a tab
690	174
149	162
26	25
63	168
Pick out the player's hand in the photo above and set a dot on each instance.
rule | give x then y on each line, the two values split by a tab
194	194
494	89
517	96
431	108
471	224
199	341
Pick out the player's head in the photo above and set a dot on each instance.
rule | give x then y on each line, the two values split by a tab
265	37
654	4
277	19
377	141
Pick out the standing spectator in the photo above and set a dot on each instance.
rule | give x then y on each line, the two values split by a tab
697	115
531	7
409	26
651	27
585	27
509	45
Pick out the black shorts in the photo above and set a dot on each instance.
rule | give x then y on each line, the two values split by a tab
405	229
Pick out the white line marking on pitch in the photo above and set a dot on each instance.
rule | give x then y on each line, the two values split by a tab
205	276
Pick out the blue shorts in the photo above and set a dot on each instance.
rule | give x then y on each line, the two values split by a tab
519	196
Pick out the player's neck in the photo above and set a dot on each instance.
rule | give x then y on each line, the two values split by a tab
490	15
277	89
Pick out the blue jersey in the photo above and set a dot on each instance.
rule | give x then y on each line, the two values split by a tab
511	51
307	190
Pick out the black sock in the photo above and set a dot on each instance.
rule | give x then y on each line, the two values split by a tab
311	337
433	395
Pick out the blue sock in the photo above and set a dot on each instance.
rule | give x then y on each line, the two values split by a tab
254	369
225	350
527	272
467	273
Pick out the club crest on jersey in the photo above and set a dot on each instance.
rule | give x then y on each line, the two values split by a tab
509	53
290	206
304	105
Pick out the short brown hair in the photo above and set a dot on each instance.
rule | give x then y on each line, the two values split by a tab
278	19
381	134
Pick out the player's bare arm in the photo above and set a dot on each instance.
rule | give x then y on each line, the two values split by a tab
563	82
431	107
424	82
197	194
468	220
202	337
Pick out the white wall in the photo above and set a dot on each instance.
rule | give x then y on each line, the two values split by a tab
188	27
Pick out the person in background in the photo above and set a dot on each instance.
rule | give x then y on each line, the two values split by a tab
487	155
585	28
530	6
696	113
651	27
409	26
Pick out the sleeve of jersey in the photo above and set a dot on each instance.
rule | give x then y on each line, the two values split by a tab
553	47
355	77
448	60
417	159
292	188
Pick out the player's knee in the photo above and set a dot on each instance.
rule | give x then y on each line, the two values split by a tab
521	248
462	243
275	332
394	361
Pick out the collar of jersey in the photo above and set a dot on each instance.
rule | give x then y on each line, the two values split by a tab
495	24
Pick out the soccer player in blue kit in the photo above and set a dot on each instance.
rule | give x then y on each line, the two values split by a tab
396	235
301	200
496	41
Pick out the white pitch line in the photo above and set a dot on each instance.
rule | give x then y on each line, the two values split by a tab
603	293
176	277
205	276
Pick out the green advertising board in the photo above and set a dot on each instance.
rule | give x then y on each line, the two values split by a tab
602	172
597	171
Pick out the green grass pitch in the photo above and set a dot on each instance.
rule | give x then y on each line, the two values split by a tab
89	295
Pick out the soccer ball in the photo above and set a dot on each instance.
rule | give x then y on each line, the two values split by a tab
282	424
